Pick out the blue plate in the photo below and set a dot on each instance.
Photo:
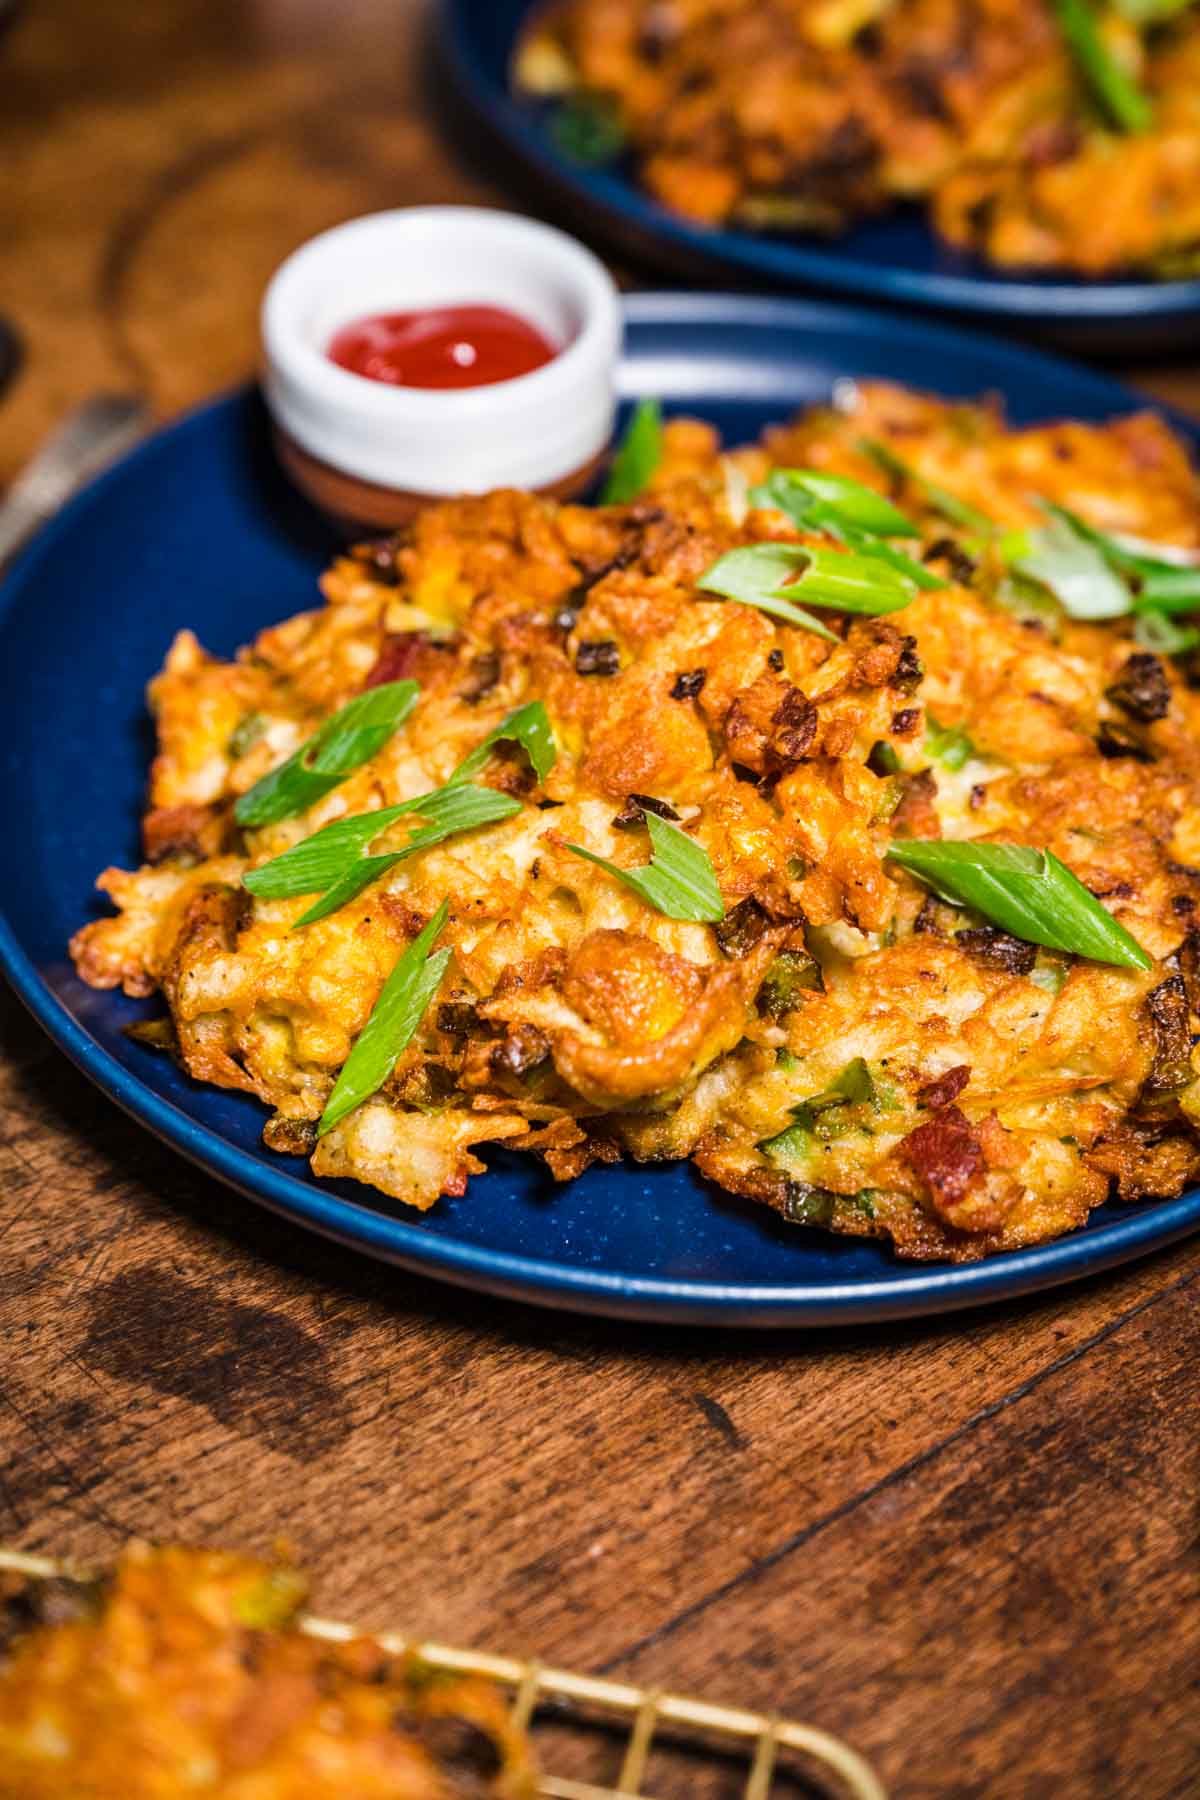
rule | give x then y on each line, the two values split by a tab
199	528
896	258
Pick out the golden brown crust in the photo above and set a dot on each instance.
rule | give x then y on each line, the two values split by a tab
183	1672
576	1020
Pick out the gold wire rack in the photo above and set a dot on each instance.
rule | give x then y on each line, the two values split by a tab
759	1741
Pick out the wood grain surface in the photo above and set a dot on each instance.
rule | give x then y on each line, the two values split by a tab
970	1546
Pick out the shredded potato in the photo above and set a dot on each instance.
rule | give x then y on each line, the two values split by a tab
1011	1090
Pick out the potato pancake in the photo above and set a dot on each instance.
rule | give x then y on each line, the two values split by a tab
184	1672
838	1038
810	114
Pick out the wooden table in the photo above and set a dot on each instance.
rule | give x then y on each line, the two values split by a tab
970	1546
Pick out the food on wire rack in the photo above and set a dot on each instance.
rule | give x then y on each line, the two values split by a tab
1039	133
183	1672
827	812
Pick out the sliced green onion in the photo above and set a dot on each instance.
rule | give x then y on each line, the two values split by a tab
1151	12
752	576
1112	87
855	1086
1169	590
958	512
638	455
949	744
679	880
814	496
1157	631
334	861
588	129
1029	893
845	581
245	735
527	725
350	738
1074	569
394	1018
848	581
856	515
1161	575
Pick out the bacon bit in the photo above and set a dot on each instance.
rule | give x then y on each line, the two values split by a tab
599	656
483	675
795	722
1167	1013
1141	688
945	1089
910	671
946	1153
1114	741
916	816
906	720
634	811
188	832
964	568
741	928
523	1049
378	557
997	949
688	683
397	657
1053	141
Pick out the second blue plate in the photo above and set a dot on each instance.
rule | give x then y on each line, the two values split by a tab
199	528
896	258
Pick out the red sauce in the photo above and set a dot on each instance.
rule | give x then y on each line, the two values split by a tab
442	347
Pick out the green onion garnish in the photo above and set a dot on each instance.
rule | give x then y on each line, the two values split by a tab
816	498
529	726
940	499
855	1086
949	744
1029	893
856	515
1157	631
846	581
1066	561
350	738
753	576
1115	91
678	880
587	128
394	1018
1095	574
1151	12
334	861
1160	575
638	455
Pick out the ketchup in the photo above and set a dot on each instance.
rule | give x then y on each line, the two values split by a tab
442	347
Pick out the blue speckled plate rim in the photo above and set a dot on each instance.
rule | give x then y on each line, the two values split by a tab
931	1288
795	262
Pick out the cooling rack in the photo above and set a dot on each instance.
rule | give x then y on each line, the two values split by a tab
764	1747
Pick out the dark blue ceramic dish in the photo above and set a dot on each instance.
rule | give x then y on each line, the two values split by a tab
199	528
897	259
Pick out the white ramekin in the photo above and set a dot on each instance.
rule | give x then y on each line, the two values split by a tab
368	449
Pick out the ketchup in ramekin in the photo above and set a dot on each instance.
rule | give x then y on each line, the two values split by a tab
442	347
